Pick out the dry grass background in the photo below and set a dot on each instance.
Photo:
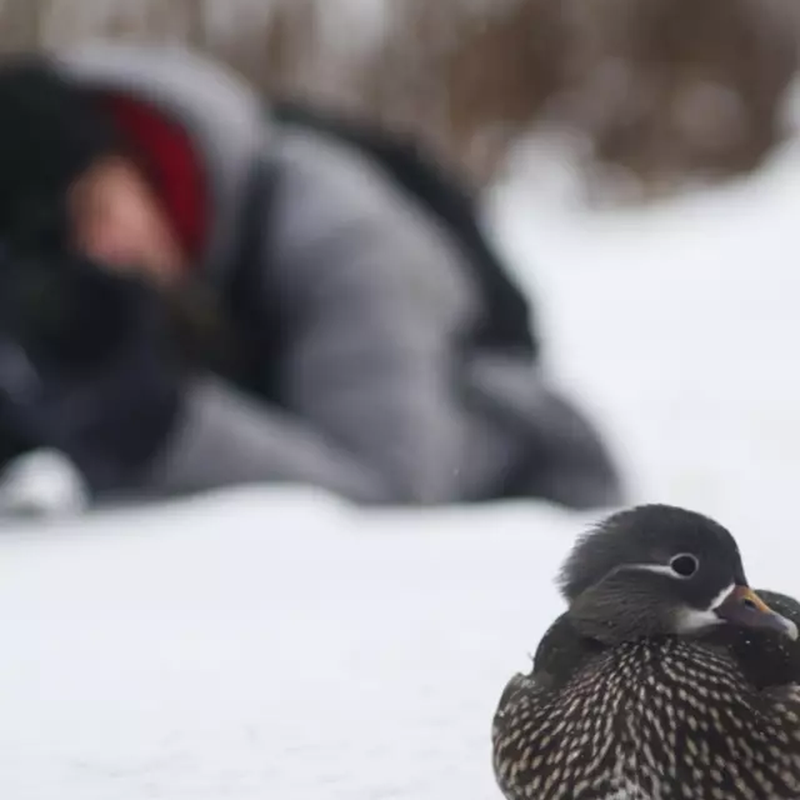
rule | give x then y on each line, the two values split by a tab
660	88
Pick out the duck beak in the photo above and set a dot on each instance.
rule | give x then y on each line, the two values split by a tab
742	606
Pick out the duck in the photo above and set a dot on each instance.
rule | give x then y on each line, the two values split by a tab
666	677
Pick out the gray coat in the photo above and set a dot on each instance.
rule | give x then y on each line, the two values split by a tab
380	403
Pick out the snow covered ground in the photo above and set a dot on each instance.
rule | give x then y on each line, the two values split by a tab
278	644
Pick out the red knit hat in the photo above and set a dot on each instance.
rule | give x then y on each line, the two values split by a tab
169	155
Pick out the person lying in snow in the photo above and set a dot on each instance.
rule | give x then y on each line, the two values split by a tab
199	291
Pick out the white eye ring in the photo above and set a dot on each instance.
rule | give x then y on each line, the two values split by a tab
684	565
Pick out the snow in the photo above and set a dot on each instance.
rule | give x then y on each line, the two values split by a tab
278	643
262	644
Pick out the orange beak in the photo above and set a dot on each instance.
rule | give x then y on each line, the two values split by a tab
745	608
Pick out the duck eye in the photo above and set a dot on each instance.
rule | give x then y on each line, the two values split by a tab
685	565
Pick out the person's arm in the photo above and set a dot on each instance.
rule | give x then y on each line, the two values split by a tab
376	297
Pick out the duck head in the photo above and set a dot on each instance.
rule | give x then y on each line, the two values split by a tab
659	570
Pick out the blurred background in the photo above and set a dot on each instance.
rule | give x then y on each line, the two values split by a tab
651	94
288	646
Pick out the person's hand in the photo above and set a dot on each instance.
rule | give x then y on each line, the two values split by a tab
88	370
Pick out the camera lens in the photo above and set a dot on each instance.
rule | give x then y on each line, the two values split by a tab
33	299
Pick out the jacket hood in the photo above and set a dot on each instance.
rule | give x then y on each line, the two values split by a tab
225	119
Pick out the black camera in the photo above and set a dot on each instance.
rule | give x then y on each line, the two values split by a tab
65	309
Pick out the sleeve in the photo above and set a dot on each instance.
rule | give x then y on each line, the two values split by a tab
376	298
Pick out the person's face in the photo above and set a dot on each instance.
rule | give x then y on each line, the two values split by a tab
116	218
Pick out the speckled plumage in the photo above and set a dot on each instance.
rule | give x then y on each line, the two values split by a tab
663	717
654	717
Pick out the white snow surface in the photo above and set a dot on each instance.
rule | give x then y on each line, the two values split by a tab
276	643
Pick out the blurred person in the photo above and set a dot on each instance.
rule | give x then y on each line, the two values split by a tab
197	291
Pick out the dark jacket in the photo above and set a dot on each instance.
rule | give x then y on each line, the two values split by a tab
356	305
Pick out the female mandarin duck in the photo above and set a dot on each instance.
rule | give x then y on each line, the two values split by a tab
667	676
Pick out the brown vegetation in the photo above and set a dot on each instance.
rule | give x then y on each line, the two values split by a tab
663	88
